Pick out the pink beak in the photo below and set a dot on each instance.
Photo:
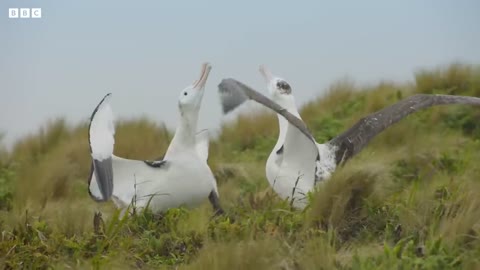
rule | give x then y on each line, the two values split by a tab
267	75
200	83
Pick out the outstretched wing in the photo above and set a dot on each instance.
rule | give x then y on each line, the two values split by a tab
234	93
105	165
100	136
357	137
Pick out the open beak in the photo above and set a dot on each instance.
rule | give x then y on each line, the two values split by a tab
200	83
267	75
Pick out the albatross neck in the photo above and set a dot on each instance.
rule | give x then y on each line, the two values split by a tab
287	102
184	138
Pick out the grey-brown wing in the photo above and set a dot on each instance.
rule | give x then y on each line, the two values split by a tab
357	137
234	93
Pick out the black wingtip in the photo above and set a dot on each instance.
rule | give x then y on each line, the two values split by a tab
226	109
227	85
225	81
98	106
231	94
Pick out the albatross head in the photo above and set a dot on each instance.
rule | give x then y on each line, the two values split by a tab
278	88
191	97
279	91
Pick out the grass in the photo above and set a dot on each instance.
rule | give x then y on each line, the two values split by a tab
410	200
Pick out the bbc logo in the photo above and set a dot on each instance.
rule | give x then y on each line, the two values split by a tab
25	13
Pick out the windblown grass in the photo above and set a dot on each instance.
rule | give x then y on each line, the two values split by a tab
410	200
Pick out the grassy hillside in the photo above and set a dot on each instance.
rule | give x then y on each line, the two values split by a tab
410	200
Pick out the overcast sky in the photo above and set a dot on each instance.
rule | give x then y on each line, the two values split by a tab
145	52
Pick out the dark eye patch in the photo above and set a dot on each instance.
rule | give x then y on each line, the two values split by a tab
284	86
185	93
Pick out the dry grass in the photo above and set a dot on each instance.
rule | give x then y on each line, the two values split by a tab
409	200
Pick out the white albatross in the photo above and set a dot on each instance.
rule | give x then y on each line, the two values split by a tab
297	162
181	178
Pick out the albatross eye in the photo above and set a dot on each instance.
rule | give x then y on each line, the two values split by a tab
185	93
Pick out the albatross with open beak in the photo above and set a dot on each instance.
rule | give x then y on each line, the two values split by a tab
182	178
297	162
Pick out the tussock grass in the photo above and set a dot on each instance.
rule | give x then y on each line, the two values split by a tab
408	201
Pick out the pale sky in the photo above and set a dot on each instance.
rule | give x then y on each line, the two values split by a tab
145	52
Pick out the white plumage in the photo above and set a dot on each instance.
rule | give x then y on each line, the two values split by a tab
297	162
182	178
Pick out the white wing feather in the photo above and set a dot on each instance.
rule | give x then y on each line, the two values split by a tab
102	131
202	143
